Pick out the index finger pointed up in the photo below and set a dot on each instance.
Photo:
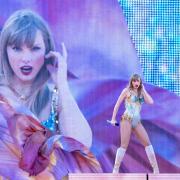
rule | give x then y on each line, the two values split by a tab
64	51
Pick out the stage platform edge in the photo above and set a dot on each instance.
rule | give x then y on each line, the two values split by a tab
123	176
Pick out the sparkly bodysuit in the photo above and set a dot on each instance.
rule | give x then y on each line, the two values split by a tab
133	108
52	122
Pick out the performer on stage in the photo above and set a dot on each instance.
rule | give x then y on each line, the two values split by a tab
43	134
134	95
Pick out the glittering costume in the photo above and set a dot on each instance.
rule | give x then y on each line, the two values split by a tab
29	147
52	122
133	108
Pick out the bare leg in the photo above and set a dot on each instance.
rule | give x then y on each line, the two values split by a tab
125	137
144	139
142	135
125	133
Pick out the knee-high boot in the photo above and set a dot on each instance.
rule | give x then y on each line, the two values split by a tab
119	156
152	158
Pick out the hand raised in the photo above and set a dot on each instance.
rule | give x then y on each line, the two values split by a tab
58	69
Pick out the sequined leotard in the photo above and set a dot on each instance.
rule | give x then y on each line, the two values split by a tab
133	108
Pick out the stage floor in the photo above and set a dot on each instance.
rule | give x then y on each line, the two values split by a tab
124	176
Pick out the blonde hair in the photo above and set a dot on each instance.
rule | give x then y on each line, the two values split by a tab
19	29
133	78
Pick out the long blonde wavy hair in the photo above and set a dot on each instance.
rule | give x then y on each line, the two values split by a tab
133	78
21	28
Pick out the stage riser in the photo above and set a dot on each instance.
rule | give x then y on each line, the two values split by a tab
124	176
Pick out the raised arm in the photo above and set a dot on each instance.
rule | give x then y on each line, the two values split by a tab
72	123
118	103
147	98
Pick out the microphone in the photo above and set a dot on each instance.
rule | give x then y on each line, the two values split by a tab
113	123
